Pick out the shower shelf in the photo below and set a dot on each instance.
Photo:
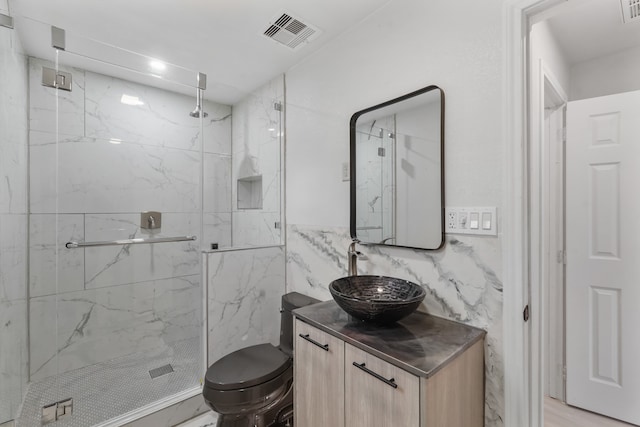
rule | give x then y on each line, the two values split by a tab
73	245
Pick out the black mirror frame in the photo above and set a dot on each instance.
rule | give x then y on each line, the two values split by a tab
352	166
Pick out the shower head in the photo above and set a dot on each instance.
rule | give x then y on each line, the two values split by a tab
198	110
196	113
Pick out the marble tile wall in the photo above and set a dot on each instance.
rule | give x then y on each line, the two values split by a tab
13	224
109	162
462	282
244	291
257	147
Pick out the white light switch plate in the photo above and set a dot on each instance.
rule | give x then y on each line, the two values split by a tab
479	221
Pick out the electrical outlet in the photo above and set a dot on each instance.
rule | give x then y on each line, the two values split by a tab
452	220
482	221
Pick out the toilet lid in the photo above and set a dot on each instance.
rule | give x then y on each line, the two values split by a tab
247	367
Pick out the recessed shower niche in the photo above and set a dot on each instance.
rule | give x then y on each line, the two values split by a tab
250	192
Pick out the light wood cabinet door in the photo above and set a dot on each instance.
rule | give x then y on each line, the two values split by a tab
378	394
319	378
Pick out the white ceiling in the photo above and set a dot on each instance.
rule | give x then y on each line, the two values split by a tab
221	38
224	38
588	29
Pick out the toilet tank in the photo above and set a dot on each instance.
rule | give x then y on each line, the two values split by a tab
291	301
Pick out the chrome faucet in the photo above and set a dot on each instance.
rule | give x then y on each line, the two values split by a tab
353	256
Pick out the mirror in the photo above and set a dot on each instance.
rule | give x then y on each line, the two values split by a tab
397	173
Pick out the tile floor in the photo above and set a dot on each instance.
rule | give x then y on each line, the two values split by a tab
106	390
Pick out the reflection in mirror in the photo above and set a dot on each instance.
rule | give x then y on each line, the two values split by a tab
397	179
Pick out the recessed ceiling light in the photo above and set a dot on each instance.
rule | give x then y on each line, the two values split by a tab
158	65
115	141
131	100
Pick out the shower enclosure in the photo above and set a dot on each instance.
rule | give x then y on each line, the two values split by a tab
376	192
118	177
102	223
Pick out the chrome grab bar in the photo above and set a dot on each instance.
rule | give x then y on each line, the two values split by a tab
73	245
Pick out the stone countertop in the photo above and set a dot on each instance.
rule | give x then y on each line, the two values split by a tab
420	343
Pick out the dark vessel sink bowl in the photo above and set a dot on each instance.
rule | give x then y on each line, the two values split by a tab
376	299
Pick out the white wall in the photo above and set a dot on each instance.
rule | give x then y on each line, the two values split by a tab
423	43
456	46
621	70
545	47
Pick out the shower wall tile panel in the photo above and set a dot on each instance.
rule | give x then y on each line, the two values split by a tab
42	101
217	177
13	223
217	229
96	176
245	287
43	246
14	356
461	280
257	148
118	265
13	257
255	227
100	324
157	120
217	128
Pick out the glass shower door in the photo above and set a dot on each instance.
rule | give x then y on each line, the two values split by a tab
115	227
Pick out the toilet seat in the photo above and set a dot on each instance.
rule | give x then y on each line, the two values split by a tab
247	367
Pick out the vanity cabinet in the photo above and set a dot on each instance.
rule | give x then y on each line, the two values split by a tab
347	375
378	393
318	369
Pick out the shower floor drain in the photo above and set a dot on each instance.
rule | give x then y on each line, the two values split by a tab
162	370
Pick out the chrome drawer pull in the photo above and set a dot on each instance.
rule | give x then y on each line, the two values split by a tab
325	347
391	382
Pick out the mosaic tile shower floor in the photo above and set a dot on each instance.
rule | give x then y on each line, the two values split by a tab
106	390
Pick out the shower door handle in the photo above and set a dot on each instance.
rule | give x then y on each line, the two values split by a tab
73	245
325	347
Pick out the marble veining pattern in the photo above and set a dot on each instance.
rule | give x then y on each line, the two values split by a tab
116	265
14	357
13	223
461	280
257	151
97	176
43	100
96	325
245	287
44	265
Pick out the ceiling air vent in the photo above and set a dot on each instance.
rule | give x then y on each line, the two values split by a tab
630	10
291	32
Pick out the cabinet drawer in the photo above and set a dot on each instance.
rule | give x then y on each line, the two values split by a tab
378	393
319	377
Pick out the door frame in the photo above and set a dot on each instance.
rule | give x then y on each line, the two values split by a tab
521	253
553	254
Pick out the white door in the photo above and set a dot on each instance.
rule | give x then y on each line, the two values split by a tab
603	255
